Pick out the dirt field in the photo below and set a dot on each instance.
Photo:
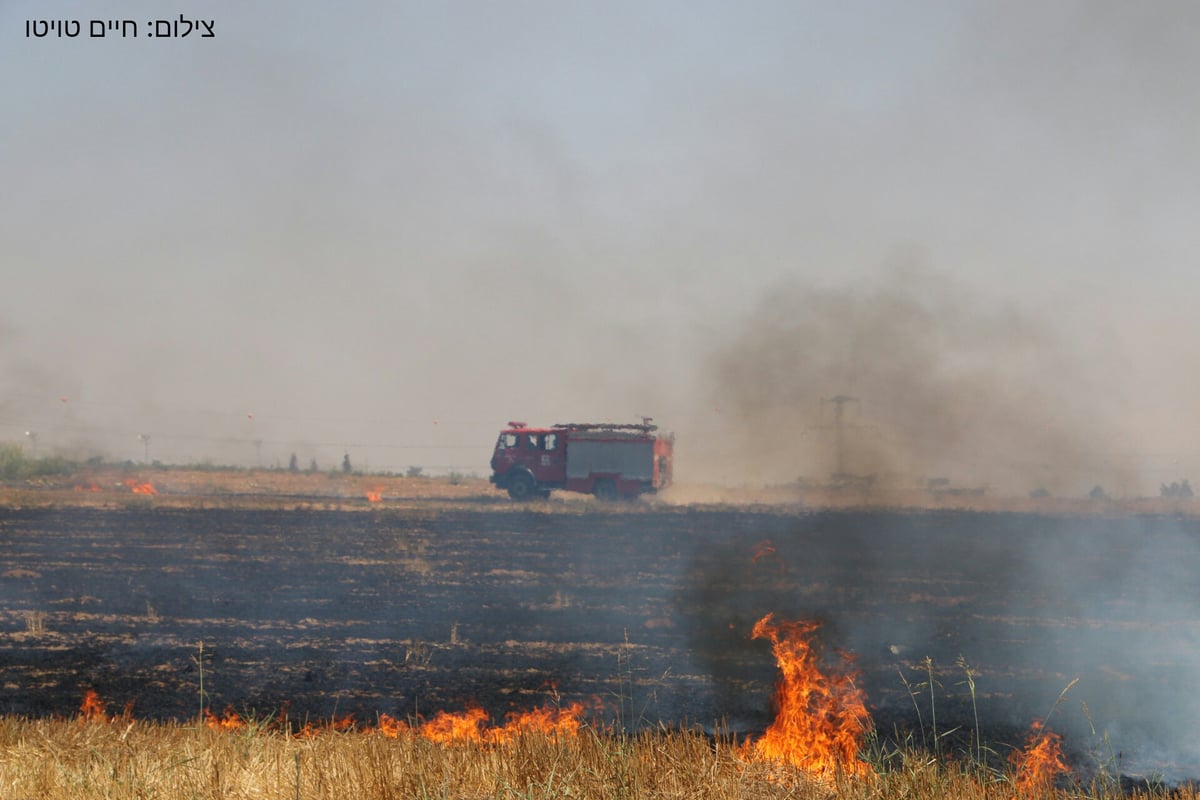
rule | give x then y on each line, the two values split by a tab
333	604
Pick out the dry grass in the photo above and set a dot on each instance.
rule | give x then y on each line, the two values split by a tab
109	487
128	760
257	489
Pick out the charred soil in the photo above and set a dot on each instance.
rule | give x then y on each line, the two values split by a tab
643	614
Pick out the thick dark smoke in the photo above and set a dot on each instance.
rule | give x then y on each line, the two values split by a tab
945	384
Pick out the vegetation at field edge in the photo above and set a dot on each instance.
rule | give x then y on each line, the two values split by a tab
123	759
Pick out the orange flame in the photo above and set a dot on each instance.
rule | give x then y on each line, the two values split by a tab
392	727
342	723
447	728
140	488
92	707
766	556
822	718
228	721
547	721
1040	763
375	495
470	726
764	549
337	724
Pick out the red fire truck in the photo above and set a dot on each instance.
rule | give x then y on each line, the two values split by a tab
607	460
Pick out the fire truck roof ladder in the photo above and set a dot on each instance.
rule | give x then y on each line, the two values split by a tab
644	427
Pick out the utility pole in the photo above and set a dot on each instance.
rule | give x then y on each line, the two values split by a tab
842	477
839	428
258	443
33	438
145	437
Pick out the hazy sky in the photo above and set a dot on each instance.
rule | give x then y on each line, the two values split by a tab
354	219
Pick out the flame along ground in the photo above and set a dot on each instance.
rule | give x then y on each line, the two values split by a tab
1040	763
819	729
822	716
92	706
132	484
470	726
139	487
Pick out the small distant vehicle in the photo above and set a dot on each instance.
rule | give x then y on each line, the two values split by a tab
610	461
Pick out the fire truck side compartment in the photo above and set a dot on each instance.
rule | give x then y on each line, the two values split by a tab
632	460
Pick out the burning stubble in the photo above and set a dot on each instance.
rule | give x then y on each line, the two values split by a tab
1031	603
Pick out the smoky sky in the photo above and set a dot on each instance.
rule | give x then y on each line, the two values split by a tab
934	382
355	222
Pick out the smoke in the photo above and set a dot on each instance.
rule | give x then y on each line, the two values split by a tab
934	381
407	213
1030	603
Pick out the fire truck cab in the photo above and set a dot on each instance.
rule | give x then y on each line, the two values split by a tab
608	460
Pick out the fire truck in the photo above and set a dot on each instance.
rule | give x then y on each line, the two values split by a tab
608	460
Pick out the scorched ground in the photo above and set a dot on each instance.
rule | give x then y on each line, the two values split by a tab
642	614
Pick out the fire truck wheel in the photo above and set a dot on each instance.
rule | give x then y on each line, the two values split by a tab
605	490
521	486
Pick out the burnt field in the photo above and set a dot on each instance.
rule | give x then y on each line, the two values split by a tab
643	613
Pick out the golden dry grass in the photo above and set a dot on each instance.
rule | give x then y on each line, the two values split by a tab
128	760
